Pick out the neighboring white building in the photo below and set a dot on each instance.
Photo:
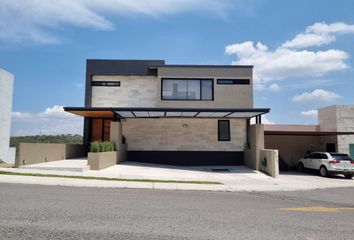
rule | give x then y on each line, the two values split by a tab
6	94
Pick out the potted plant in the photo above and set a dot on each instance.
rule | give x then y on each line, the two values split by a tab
101	155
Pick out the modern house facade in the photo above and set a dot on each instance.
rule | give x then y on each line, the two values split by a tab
6	94
171	114
334	133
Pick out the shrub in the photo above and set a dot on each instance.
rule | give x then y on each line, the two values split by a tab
98	146
1	161
107	146
95	146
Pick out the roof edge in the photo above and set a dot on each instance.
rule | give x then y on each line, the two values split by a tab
198	66
263	110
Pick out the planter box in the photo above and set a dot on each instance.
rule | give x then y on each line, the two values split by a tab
101	160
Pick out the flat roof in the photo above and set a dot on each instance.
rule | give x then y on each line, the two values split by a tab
300	130
143	112
121	67
199	66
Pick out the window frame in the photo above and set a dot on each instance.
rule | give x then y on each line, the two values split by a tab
200	89
229	132
105	83
233	81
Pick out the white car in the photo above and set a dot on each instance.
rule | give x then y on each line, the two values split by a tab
328	163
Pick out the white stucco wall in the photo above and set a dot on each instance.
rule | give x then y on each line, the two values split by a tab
6	94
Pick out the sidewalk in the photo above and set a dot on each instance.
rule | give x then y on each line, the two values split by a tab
237	178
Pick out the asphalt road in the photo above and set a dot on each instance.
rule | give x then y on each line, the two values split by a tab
47	212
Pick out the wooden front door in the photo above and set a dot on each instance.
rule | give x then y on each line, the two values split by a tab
100	129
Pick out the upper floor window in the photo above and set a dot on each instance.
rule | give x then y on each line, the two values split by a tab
234	81
187	89
106	83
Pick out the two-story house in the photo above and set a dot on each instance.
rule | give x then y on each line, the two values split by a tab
170	114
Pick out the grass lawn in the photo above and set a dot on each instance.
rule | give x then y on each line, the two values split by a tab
107	179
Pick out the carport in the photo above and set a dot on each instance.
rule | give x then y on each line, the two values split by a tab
177	136
295	141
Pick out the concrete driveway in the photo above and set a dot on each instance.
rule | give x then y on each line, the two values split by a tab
234	178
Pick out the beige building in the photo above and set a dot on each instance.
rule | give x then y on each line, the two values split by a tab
177	114
334	133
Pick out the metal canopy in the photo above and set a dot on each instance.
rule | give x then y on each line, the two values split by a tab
143	112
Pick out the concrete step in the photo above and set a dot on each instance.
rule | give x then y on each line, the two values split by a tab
63	165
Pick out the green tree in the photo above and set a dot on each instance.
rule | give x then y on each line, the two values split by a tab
64	138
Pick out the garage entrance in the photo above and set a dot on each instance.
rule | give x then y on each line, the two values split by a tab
295	141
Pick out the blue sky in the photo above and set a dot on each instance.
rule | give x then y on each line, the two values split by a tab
302	50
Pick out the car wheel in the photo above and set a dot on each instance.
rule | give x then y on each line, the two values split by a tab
348	176
323	171
301	167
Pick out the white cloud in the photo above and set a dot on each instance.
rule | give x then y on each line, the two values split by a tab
304	40
310	113
265	120
19	115
317	95
52	121
274	87
35	20
56	111
338	27
319	34
286	61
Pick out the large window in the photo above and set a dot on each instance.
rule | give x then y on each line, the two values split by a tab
187	89
224	130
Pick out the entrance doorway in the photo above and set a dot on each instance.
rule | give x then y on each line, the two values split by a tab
330	147
100	129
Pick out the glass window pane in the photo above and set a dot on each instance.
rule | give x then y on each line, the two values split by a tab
207	89
205	114
173	114
225	81
125	114
224	130
156	114
174	89
141	114
194	89
189	114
